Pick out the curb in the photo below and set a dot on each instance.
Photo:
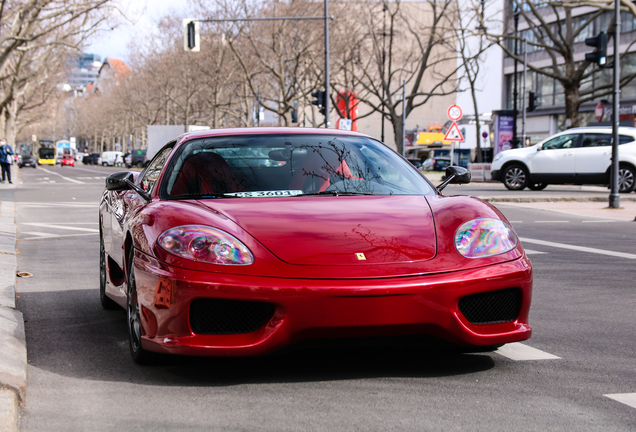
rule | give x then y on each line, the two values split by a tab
13	355
519	199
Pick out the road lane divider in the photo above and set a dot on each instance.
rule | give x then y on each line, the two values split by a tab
65	178
578	248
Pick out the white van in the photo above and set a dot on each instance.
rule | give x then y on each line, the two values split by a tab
112	158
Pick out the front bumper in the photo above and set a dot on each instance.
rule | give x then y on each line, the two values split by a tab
495	175
313	309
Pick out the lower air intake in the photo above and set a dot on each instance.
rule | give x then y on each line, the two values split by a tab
491	307
217	316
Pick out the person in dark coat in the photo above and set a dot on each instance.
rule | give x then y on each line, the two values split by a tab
6	159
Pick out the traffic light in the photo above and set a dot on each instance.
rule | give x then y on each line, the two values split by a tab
191	39
532	101
320	100
294	115
600	55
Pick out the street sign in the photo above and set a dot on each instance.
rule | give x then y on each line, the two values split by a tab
454	134
344	124
454	113
599	111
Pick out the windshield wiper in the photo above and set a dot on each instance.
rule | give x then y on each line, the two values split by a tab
335	193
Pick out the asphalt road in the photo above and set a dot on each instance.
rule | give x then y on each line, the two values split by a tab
80	376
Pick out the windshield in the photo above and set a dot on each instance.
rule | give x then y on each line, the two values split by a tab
288	165
46	153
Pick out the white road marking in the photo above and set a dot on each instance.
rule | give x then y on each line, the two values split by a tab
54	226
60	204
533	252
515	221
578	248
600	220
520	352
626	398
41	235
65	178
552	221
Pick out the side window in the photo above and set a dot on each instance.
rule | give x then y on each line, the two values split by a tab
624	139
596	140
562	142
151	174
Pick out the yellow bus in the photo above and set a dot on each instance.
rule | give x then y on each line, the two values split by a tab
46	156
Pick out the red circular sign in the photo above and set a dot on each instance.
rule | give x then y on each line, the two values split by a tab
454	112
599	111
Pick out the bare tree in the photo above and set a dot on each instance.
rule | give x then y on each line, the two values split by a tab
420	51
554	29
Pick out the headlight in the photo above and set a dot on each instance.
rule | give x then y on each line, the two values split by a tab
480	238
205	244
498	156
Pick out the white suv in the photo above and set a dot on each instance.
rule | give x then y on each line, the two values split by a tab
575	156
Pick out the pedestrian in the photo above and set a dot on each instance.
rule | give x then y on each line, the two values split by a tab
6	159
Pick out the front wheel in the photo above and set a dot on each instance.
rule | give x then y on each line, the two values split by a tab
537	186
515	177
133	314
626	179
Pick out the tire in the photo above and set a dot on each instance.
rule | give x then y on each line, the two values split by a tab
626	179
515	177
537	186
140	164
104	163
133	317
107	302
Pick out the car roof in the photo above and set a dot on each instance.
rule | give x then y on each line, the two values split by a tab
583	129
267	131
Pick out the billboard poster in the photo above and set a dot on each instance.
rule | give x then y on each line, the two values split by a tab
503	132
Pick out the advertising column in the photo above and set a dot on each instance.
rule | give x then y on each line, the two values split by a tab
503	121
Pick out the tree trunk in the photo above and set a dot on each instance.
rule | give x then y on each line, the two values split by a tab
572	103
478	157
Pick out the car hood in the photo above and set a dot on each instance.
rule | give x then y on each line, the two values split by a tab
337	230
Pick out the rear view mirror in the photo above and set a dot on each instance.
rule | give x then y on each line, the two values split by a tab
117	181
455	175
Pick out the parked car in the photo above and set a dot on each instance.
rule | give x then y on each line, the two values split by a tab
27	160
67	160
211	251
576	156
111	158
90	159
436	164
416	162
136	158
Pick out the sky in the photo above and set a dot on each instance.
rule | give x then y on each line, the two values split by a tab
142	14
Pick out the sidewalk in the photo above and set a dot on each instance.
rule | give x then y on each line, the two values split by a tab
13	354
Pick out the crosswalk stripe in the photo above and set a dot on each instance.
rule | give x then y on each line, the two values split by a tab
520	352
626	398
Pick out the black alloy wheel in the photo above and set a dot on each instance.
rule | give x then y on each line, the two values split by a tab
107	302
515	177
133	315
626	179
537	186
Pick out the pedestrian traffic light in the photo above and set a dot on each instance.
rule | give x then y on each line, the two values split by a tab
600	55
191	39
532	101
294	115
320	100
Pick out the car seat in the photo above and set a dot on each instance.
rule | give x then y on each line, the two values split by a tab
205	173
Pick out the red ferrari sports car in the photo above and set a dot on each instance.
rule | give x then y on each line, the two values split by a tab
239	242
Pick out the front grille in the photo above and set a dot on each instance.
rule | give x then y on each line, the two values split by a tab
491	307
217	316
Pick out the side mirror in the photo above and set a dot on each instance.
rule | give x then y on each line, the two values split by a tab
117	181
125	180
539	148
455	175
